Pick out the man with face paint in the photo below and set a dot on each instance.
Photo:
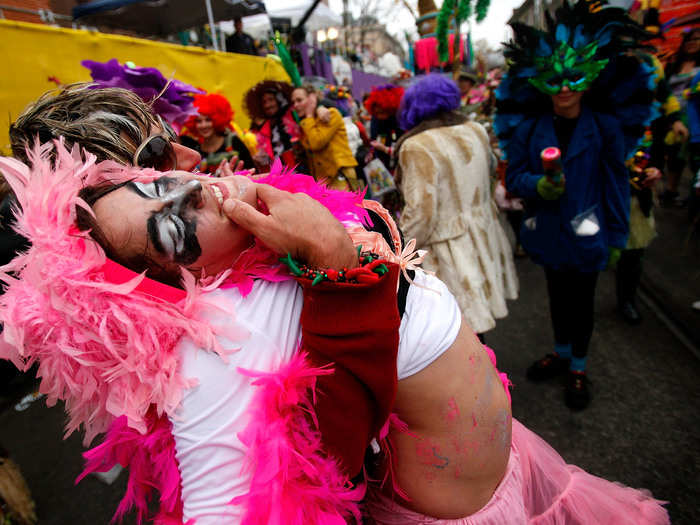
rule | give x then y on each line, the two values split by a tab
226	438
576	87
447	426
115	124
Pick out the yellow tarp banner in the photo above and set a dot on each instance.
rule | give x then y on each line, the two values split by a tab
33	53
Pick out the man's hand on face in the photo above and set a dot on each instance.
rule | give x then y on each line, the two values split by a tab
298	225
311	103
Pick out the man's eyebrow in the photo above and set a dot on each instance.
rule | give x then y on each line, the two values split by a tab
133	187
161	182
152	228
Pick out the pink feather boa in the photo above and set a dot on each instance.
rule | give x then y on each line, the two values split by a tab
292	481
152	466
114	371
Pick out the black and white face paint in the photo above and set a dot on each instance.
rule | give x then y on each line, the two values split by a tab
173	228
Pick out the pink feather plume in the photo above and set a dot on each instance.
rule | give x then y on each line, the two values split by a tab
151	461
105	351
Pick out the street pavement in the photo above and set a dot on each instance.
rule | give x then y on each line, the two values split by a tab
641	428
671	270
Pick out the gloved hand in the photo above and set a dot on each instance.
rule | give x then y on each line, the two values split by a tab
548	190
614	255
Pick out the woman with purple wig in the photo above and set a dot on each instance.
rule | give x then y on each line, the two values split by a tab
444	163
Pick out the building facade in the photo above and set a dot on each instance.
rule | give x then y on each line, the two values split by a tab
53	12
372	38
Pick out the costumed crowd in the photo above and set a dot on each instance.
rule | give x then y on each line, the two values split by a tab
287	323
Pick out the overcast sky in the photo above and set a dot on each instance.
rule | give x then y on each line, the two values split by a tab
493	28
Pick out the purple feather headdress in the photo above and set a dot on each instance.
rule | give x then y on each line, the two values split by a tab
174	105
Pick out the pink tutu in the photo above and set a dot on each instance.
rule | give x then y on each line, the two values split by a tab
538	488
557	493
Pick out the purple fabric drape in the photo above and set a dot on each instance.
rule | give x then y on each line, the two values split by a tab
305	61
362	82
319	67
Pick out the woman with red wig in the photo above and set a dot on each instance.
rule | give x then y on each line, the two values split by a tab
212	134
383	104
384	130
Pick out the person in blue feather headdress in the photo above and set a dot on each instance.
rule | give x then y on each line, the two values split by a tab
571	109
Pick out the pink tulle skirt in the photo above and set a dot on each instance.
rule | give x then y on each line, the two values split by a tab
505	506
557	493
539	488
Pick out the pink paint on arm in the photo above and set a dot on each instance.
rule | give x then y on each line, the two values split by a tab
492	436
452	410
429	454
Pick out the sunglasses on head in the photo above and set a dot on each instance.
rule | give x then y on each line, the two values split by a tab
157	151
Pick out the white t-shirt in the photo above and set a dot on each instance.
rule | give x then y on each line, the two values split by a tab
429	325
212	414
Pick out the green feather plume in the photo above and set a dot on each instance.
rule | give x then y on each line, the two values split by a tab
482	8
289	66
443	22
464	11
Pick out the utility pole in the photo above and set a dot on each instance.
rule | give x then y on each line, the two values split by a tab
346	26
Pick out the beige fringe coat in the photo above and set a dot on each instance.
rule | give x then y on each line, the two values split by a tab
450	212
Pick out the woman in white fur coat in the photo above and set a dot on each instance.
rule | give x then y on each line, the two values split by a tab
444	164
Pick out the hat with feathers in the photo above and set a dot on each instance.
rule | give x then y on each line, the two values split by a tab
587	46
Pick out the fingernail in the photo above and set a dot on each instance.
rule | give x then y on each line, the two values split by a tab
229	205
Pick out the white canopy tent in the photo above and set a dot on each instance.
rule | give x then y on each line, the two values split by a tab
162	17
258	26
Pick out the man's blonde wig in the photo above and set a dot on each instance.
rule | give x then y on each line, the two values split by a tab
110	123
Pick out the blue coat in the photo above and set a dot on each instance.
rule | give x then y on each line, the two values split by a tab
597	188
